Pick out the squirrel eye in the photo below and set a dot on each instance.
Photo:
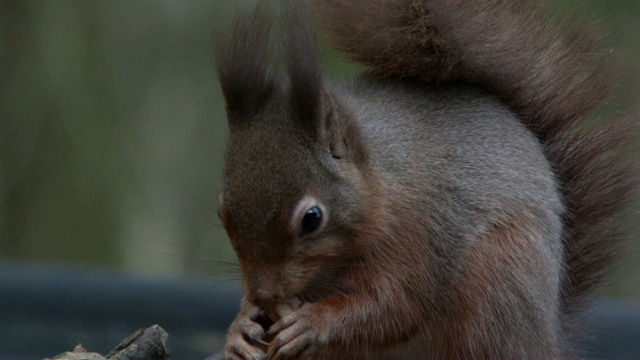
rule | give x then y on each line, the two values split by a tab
311	220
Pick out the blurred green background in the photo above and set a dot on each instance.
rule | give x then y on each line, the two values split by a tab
112	129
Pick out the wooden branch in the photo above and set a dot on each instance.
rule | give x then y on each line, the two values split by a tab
144	344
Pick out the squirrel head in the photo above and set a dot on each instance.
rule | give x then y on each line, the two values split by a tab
293	195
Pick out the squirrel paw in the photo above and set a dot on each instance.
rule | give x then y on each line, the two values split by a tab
298	335
245	338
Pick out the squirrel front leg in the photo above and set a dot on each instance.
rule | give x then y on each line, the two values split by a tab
344	324
246	334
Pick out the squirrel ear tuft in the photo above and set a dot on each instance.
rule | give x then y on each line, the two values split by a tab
312	103
302	61
243	60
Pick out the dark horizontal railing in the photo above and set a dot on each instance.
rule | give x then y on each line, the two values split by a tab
45	310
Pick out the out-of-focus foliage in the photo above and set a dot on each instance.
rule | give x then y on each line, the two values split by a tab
112	130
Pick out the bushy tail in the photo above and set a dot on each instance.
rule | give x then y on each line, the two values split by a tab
551	72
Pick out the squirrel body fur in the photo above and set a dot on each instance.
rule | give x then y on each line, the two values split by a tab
449	202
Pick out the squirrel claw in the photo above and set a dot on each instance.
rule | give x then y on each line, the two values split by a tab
295	337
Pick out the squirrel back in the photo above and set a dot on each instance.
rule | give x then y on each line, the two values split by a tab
450	202
551	72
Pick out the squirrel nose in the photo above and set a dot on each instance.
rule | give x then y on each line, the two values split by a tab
263	296
263	288
260	292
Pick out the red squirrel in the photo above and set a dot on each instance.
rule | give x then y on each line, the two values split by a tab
449	202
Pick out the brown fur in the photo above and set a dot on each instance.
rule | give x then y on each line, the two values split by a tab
510	246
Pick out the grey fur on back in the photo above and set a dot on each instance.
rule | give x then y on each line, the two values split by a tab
552	73
479	165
